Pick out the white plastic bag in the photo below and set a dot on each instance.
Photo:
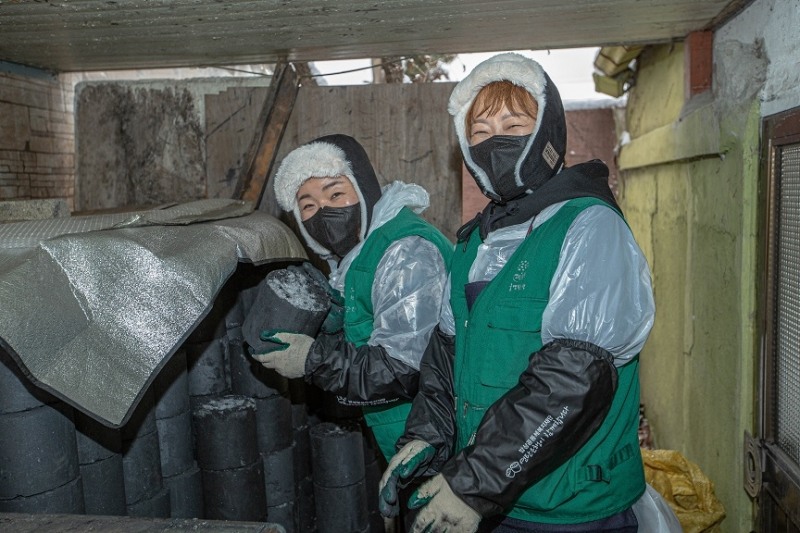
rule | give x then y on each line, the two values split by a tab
654	513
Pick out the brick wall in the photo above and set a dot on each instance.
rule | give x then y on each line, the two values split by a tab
37	140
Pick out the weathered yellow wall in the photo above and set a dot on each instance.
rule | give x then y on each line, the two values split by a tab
657	97
688	188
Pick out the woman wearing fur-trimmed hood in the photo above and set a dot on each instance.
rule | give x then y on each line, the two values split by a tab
550	304
387	264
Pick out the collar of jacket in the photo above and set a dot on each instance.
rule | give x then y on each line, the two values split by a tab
585	179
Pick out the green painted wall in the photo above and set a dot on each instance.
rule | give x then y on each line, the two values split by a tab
689	190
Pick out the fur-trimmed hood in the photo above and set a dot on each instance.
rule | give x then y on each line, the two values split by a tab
328	156
544	154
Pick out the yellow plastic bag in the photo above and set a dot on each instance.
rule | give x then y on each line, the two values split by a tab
685	487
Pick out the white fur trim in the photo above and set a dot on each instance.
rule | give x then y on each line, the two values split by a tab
318	160
517	69
510	66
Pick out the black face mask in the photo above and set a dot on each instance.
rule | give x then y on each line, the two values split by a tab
336	228
498	156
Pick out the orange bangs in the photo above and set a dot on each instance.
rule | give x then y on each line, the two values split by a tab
493	96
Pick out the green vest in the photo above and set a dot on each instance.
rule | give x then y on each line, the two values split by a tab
494	341
387	421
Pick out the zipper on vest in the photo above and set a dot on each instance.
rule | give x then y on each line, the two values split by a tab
464	410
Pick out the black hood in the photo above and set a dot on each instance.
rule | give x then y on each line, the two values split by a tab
366	182
330	155
544	154
588	179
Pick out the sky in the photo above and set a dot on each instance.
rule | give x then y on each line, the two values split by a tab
570	69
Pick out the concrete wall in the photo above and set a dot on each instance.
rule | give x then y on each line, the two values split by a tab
145	142
36	136
38	141
757	51
690	189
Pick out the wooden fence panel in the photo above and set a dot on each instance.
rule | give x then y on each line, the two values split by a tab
405	130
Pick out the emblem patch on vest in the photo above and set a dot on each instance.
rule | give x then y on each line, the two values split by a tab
518	283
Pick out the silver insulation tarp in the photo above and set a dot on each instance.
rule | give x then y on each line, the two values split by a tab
92	307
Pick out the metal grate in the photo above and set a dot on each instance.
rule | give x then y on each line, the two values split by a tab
787	363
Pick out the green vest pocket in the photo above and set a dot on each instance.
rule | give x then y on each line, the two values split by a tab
514	327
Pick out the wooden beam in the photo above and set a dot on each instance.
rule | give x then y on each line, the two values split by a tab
269	131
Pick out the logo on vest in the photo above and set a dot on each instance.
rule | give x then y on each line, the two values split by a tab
350	301
518	279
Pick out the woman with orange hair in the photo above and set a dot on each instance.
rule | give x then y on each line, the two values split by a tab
534	366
